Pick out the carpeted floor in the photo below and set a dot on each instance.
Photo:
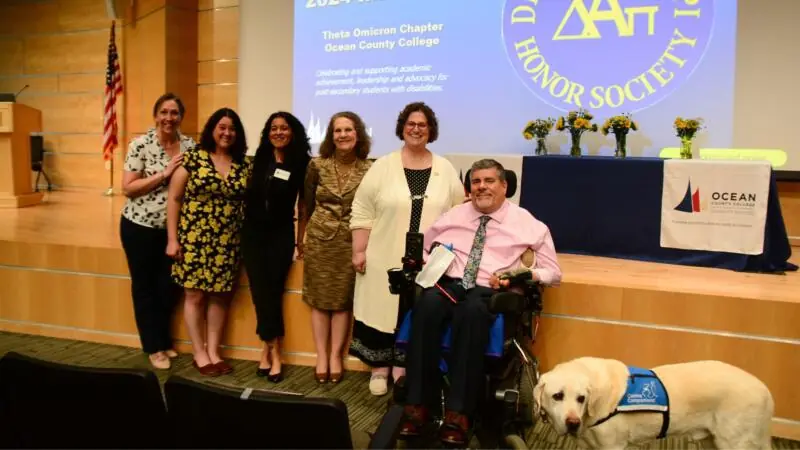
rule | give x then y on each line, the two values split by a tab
365	410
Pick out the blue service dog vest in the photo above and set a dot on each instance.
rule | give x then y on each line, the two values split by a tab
645	393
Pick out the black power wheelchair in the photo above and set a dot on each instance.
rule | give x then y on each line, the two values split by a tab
505	411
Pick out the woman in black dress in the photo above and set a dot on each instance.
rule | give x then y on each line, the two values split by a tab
268	238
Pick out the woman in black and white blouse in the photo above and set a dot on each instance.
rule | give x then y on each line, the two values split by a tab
150	161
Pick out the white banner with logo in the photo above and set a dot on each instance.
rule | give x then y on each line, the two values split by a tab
463	162
717	206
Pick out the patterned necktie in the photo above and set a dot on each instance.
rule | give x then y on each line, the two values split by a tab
474	259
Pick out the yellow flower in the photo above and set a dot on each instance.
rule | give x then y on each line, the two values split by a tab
527	135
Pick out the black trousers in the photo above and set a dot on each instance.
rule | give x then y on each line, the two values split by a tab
153	291
267	255
470	321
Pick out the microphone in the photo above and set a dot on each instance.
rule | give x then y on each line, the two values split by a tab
23	88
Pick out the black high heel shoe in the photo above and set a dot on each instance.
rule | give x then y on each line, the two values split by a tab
263	373
275	378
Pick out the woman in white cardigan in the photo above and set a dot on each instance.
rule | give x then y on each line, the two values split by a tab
406	190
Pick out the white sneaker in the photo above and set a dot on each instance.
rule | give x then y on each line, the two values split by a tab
378	384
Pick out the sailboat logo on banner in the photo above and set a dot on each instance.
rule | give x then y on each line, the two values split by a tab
691	201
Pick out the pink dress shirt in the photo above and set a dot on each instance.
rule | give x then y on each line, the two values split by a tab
510	232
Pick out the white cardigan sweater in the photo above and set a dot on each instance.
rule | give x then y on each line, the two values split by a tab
383	205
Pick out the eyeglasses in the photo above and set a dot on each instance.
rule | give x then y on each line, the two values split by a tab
420	125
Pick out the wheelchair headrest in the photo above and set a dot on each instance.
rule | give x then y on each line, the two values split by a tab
511	180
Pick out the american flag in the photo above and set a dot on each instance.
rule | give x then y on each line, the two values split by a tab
113	89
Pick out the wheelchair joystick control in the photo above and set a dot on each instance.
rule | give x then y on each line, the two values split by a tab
402	280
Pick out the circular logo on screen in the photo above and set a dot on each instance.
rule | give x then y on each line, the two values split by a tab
608	56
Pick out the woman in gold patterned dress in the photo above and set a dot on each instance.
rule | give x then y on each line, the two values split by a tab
328	273
204	219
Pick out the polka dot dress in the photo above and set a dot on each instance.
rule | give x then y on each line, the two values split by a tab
417	184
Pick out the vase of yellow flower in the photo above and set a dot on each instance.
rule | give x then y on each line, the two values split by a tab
621	149
686	129
620	126
541	148
686	148
538	129
577	123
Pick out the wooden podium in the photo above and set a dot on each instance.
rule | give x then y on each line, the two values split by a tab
17	122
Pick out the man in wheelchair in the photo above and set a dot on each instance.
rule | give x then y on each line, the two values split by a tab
488	236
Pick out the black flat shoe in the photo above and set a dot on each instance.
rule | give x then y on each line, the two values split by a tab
262	373
275	378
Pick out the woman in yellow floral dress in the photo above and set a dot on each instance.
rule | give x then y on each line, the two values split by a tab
205	211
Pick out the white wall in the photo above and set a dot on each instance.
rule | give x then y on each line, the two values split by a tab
266	33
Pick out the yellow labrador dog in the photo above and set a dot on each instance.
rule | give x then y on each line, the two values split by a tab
607	405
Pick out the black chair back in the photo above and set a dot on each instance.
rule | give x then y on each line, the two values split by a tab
213	416
52	405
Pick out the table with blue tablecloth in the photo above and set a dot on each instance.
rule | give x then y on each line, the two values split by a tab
603	206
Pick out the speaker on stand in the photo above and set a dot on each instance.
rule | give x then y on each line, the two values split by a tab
37	161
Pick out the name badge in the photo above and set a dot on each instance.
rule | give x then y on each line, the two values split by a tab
282	174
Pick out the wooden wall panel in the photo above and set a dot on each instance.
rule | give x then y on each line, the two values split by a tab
215	72
69	113
218	36
67	52
217	57
19	17
59	48
81	170
74	15
181	73
82	82
73	143
143	8
144	72
211	4
36	84
13	53
211	97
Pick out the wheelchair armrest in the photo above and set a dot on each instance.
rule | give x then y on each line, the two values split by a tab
388	430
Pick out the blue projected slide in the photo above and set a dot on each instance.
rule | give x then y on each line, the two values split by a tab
487	67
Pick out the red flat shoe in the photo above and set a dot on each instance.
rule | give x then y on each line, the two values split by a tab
454	429
224	368
209	370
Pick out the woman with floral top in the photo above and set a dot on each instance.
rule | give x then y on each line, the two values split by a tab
149	163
